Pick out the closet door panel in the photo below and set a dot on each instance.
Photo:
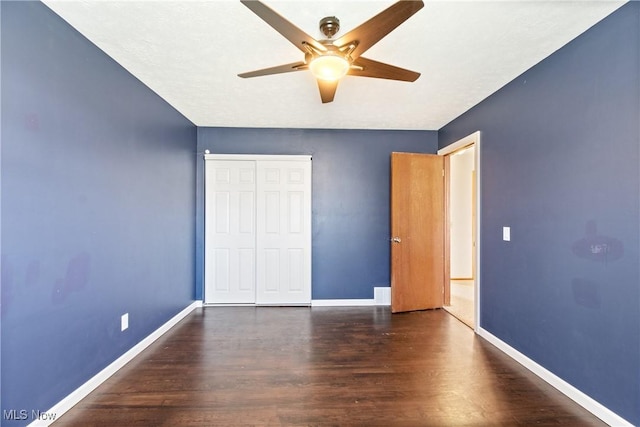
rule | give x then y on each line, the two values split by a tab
283	232
230	232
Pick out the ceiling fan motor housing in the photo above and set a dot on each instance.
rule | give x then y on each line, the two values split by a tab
329	26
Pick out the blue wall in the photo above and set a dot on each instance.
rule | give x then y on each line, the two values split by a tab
98	209
350	219
560	163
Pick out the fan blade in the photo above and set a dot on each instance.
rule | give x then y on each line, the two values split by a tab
327	90
292	33
279	69
380	70
372	31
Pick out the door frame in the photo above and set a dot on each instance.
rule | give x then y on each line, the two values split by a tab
258	157
472	139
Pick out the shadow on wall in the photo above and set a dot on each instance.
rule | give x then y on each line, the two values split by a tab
75	280
597	248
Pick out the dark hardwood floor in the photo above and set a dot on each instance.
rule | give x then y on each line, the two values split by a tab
323	366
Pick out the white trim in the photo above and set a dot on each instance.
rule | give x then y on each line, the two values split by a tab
81	392
564	387
341	302
461	143
302	304
233	304
219	304
295	158
478	153
474	139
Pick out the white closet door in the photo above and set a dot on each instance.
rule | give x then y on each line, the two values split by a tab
283	232
230	234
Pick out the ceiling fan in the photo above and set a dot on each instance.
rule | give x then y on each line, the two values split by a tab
329	60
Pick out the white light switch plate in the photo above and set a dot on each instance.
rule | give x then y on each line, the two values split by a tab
124	322
506	234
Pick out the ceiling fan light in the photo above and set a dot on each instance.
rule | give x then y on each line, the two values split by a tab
329	67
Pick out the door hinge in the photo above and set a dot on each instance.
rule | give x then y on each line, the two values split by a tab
443	173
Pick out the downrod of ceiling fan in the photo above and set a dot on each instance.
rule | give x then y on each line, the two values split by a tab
329	26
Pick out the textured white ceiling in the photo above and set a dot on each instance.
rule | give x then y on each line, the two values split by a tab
190	52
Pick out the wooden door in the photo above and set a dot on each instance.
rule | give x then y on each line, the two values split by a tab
417	232
230	234
284	232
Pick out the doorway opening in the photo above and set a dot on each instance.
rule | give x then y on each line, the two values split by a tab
461	211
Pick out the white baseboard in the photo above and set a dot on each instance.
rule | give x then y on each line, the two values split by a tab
591	405
216	304
381	296
81	392
341	302
314	303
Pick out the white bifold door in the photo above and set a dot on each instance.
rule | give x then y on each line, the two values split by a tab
257	229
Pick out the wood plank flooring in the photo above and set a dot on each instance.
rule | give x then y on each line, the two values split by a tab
462	305
273	366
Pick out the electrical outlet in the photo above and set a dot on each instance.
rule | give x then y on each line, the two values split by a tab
124	322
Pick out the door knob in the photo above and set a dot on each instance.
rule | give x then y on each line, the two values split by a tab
396	240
